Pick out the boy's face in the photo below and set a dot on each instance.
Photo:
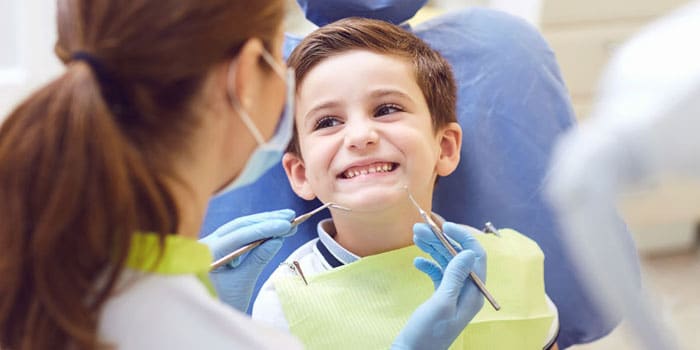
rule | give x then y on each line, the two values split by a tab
365	131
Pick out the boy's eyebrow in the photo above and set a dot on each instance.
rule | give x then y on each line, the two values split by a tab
387	92
324	105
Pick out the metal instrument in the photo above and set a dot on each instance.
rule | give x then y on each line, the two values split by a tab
248	247
444	240
489	228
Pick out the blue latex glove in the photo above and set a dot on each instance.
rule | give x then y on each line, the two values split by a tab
439	320
235	281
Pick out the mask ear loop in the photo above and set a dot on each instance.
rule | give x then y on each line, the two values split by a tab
245	117
267	56
288	76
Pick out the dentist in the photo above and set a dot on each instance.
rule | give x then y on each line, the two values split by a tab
106	172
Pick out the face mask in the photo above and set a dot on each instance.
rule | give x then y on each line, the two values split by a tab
269	153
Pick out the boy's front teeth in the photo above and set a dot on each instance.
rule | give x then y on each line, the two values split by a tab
371	169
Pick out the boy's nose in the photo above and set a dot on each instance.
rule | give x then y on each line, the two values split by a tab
360	134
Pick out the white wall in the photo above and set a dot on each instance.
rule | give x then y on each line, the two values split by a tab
527	9
27	37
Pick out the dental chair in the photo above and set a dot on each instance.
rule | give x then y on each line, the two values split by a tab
512	105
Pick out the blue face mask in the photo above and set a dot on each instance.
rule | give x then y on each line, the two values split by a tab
269	153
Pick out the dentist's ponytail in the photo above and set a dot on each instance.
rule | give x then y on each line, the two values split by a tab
73	191
84	161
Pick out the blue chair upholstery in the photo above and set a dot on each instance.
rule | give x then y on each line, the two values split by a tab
512	105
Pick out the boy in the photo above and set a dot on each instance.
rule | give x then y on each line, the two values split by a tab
376	114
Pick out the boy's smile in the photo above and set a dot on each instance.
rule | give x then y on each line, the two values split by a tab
365	131
378	168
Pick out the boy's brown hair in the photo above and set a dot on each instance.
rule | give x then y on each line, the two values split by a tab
432	72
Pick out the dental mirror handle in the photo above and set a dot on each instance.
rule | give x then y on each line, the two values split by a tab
248	247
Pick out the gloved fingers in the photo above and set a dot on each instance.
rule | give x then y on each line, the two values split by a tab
456	274
460	234
262	254
480	267
426	240
232	290
270	248
235	286
243	221
237	261
272	228
470	299
468	242
430	268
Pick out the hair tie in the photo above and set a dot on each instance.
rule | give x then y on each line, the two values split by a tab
94	64
112	91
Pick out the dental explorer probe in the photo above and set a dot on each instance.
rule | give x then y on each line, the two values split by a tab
443	239
248	247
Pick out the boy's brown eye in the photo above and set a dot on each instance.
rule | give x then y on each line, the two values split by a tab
387	109
326	122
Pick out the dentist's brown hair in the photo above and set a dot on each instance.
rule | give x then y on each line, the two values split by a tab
84	160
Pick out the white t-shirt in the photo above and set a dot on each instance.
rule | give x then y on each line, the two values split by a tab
319	255
152	311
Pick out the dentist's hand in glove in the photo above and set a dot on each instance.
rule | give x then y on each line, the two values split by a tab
235	281
439	320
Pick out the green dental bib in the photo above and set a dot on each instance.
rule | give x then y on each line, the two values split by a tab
365	304
180	256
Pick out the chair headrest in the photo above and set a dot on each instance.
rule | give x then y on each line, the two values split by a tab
322	12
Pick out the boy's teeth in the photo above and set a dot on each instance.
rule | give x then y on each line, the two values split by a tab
369	170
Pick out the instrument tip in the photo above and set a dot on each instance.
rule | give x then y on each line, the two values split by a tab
410	196
339	207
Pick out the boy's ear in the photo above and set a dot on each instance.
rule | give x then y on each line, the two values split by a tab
296	174
450	147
